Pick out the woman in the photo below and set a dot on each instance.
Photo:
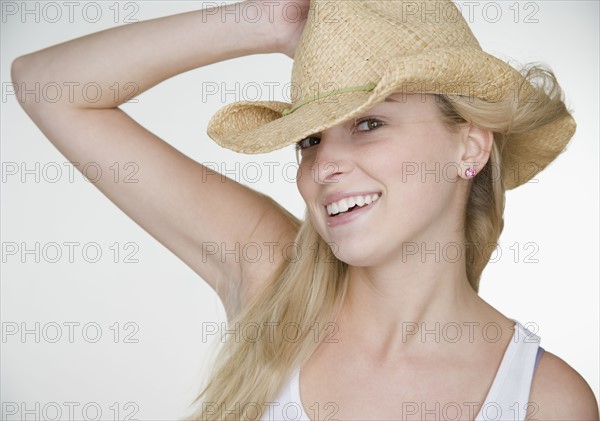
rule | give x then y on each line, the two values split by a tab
379	289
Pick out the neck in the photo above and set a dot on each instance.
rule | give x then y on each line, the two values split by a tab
388	307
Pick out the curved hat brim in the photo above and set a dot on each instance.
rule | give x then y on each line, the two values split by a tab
261	127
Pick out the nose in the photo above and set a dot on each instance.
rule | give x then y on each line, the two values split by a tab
332	159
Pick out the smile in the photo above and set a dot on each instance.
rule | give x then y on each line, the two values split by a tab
348	204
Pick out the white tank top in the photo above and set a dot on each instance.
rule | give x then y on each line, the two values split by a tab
507	398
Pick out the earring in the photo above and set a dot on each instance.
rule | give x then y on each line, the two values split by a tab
470	172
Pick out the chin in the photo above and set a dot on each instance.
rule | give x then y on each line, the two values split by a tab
354	254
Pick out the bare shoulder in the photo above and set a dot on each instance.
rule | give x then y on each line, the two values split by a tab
558	392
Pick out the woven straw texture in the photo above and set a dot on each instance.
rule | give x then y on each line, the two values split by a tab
395	48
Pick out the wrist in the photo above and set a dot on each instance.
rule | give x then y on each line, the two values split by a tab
253	22
269	37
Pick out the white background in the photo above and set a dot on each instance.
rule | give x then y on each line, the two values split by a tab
168	305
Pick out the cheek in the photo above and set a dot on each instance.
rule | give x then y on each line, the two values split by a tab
418	171
308	189
429	155
304	182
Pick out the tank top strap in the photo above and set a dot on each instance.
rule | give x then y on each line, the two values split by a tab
508	396
287	405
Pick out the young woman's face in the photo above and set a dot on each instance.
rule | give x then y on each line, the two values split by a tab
396	167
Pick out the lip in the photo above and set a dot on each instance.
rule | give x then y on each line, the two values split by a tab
334	221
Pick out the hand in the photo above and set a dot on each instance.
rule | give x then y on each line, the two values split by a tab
286	21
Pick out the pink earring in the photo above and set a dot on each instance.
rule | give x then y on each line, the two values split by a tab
470	172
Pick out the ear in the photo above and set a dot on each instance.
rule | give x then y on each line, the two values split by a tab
477	145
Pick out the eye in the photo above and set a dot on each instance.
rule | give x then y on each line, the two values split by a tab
307	142
369	124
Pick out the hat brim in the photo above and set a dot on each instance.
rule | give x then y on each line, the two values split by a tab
261	127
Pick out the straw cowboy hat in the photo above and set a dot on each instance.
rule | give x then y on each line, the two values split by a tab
354	55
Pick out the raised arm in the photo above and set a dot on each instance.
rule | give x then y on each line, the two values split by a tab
173	200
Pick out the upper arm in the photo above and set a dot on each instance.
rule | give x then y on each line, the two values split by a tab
194	212
558	392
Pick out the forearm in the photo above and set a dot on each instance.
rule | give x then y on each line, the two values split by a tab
125	61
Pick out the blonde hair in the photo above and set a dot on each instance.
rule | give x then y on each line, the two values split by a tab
307	293
526	110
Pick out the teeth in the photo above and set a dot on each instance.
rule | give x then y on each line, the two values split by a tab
348	202
343	205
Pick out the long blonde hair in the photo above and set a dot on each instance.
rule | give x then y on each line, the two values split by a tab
293	310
